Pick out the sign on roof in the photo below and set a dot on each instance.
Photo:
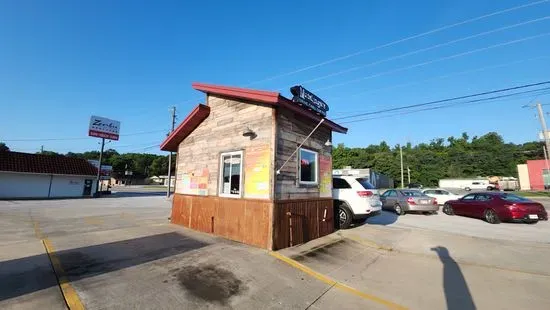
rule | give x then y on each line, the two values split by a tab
102	127
309	100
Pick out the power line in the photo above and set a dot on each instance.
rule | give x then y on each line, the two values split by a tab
405	39
446	100
398	41
436	78
469	102
426	49
466	103
82	138
434	60
143	148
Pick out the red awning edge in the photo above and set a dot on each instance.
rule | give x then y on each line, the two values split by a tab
192	121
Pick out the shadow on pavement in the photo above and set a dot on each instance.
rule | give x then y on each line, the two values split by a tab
456	289
384	218
29	274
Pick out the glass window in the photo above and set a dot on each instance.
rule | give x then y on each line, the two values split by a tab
365	183
308	166
411	193
514	198
340	183
392	194
231	172
442	192
483	197
469	197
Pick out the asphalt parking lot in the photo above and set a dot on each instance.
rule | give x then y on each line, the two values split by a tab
121	252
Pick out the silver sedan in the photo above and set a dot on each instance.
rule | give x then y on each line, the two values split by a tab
406	200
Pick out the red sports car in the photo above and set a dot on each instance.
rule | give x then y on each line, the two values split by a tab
495	207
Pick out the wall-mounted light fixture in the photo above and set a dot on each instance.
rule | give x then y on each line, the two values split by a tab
249	133
328	143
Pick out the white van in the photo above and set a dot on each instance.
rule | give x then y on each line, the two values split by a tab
478	185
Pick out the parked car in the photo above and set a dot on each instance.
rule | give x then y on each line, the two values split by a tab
441	195
355	198
495	207
406	200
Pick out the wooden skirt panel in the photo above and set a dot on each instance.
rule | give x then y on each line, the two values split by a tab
244	220
299	221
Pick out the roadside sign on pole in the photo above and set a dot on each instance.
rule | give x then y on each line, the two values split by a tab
102	127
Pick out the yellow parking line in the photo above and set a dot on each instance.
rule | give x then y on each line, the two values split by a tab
335	283
69	293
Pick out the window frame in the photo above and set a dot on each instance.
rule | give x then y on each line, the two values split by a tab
300	182
220	179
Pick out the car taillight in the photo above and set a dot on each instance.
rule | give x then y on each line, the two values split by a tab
365	193
512	207
411	200
435	201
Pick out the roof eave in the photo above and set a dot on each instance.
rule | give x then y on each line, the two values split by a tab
237	92
192	121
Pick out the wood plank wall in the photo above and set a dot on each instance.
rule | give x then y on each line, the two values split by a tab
292	129
244	220
307	221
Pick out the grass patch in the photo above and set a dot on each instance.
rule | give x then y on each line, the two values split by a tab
532	193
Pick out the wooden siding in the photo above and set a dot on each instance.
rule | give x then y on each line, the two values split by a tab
222	132
292	129
308	221
243	220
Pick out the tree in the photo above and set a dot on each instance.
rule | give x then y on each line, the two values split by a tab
4	147
454	157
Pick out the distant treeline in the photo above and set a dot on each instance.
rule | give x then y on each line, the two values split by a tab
141	164
461	157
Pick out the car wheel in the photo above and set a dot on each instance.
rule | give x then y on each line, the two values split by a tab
467	189
399	210
491	217
345	216
448	209
490	188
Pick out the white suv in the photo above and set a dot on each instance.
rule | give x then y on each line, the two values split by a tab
355	198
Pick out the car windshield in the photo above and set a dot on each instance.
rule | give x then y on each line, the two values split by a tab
514	198
365	183
412	193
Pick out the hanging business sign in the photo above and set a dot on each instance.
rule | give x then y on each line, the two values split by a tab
309	100
102	127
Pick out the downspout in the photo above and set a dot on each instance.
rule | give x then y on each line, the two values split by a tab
50	188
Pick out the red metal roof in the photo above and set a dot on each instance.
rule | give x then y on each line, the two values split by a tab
269	97
237	92
199	114
45	164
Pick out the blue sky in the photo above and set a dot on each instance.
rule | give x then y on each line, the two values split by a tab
62	61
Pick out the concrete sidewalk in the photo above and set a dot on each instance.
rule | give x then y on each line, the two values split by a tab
429	270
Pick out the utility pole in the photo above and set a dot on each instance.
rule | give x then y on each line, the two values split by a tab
409	174
401	156
173	111
41	149
99	167
545	133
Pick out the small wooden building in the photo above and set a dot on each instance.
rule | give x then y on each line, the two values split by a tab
242	174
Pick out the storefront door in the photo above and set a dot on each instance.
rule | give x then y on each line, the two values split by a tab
87	188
